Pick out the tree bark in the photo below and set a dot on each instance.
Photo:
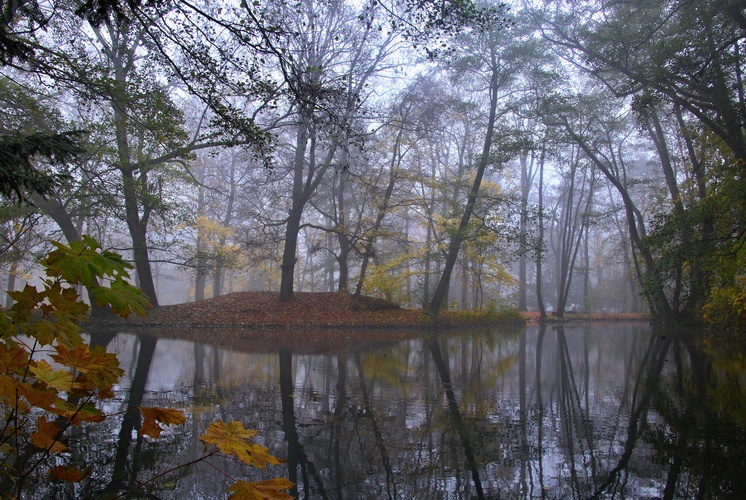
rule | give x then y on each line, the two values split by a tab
138	232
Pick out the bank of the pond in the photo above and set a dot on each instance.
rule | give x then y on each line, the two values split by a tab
533	318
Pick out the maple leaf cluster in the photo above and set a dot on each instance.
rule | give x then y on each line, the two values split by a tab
69	390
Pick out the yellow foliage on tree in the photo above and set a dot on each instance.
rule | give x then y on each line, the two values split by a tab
726	306
389	279
216	240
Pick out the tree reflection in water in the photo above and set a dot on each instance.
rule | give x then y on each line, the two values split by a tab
610	411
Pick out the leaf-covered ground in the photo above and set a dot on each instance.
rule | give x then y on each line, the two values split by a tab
264	310
261	310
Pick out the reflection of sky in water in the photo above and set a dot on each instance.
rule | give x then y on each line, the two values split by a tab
529	415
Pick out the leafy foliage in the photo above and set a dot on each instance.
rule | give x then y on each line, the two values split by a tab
388	280
152	417
40	400
431	23
18	153
726	306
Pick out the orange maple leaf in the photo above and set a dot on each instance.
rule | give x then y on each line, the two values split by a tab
151	417
8	388
273	489
100	367
46	436
69	473
12	360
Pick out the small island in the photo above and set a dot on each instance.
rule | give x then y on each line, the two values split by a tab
264	310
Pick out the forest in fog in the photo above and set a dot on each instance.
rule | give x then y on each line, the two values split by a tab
552	156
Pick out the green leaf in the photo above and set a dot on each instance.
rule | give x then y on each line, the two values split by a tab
122	297
84	262
26	302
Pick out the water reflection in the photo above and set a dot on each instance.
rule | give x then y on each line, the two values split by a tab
611	411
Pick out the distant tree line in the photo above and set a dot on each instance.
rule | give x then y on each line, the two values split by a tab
578	156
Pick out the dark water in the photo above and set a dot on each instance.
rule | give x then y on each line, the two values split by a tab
603	411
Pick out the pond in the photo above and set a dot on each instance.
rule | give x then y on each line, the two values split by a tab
599	411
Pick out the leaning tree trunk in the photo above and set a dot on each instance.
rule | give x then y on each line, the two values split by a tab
654	293
56	210
457	239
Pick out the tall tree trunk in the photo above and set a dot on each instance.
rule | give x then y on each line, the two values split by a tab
288	255
522	257
540	241
296	212
303	189
342	238
137	226
382	209
655	130
572	237
200	271
654	293
455	244
219	277
586	271
465	284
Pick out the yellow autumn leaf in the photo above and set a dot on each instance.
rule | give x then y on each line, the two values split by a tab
46	436
58	379
152	416
69	473
273	489
232	439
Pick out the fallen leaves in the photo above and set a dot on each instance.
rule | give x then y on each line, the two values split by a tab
264	310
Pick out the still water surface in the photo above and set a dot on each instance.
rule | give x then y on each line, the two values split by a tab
601	411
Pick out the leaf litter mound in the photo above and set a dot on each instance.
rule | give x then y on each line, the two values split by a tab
264	310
